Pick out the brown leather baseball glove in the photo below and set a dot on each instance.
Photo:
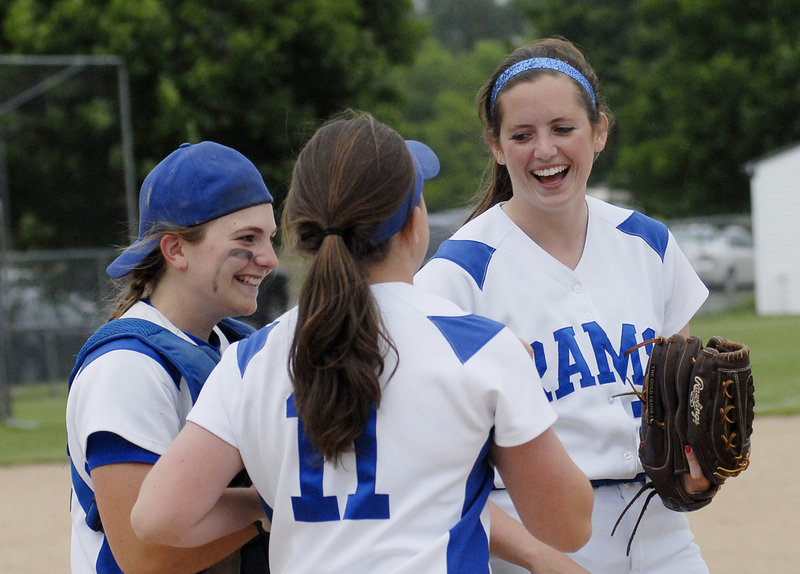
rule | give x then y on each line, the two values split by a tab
701	397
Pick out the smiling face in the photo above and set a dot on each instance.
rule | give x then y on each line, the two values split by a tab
226	267
547	143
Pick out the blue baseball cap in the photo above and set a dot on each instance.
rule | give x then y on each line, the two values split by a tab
426	165
194	184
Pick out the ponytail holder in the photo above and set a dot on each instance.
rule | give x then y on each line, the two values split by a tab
332	231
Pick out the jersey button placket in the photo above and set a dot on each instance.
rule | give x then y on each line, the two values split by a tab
578	290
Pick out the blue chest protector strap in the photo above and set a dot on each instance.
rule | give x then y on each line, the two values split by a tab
193	362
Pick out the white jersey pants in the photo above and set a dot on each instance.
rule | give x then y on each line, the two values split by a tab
663	544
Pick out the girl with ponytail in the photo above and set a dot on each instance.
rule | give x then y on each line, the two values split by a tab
371	415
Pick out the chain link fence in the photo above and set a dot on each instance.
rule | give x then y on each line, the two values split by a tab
51	301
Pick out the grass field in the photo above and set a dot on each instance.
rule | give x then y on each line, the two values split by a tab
776	363
36	431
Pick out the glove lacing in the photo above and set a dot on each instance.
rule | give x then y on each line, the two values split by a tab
647	485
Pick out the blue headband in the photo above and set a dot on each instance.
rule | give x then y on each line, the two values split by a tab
541	63
426	166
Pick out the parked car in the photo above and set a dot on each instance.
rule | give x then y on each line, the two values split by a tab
721	253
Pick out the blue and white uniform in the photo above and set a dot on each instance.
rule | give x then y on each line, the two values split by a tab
412	496
632	283
125	405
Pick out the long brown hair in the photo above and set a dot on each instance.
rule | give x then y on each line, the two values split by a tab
140	283
498	188
353	174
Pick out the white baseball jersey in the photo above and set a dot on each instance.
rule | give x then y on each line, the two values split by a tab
411	497
632	283
133	408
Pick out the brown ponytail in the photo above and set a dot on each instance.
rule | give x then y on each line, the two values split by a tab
354	173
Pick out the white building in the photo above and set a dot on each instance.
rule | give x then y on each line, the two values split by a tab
775	197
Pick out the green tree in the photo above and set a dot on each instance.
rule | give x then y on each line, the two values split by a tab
699	88
258	75
438	107
460	24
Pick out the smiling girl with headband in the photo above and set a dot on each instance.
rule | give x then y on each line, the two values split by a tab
581	281
369	415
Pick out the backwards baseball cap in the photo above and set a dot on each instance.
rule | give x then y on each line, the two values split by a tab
194	184
426	165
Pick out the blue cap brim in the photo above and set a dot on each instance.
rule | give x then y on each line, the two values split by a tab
131	257
425	160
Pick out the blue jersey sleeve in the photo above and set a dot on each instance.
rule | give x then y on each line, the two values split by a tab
108	448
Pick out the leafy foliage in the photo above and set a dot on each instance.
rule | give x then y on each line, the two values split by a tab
460	24
699	89
438	107
258	75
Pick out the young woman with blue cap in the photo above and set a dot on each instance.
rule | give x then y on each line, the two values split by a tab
205	243
369	416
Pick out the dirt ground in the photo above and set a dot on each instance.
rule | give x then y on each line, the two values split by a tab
750	527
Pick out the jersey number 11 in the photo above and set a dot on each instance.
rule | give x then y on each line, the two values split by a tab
312	505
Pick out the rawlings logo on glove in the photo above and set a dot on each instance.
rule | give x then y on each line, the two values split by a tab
694	400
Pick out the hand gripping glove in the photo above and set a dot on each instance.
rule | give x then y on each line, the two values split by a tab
697	396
